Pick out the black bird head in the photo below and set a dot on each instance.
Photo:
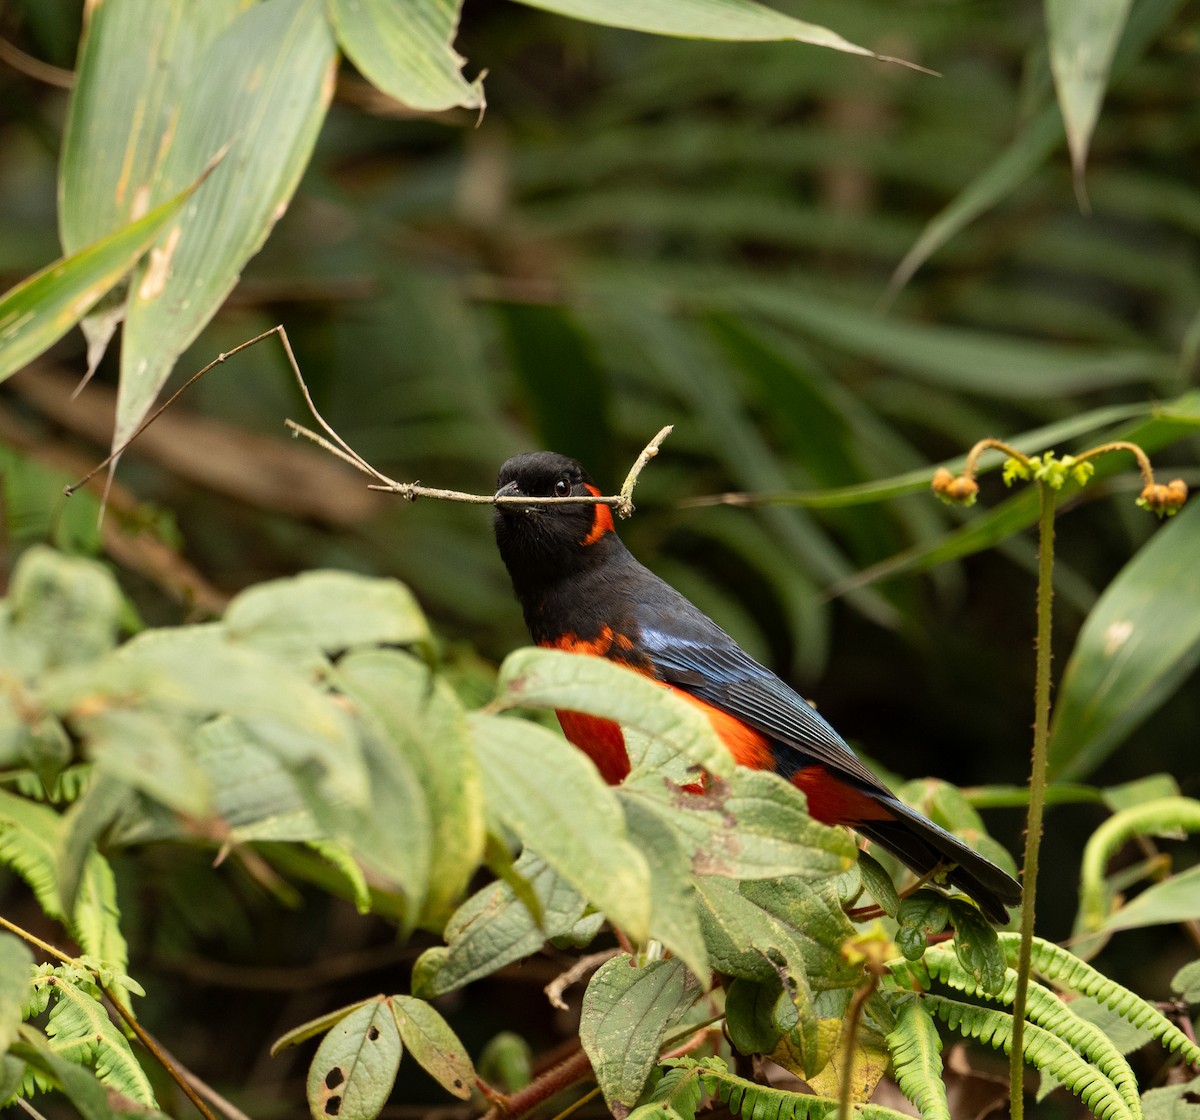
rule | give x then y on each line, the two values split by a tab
542	543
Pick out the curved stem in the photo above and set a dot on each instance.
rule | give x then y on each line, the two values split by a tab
1037	790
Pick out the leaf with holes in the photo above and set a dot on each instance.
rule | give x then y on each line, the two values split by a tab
434	1045
354	1068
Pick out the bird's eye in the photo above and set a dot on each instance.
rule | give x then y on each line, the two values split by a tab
562	488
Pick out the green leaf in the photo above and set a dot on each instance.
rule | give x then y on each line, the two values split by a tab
64	611
740	20
317	1026
750	1018
1173	1102
434	1045
87	817
325	612
258	93
552	797
354	1068
407	51
754	826
1137	646
1187	982
954	357
196	669
977	946
424	720
1175	899
921	915
673	917
16	964
761	928
1083	40
878	883
40	310
78	1085
916	1049
547	678
494	928
626	1012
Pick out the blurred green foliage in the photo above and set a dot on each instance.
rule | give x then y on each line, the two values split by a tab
641	231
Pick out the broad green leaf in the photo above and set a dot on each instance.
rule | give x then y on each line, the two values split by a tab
977	946
258	93
1187	982
1175	899
16	966
39	311
434	1045
750	1014
1150	788
547	678
1083	40
196	669
1174	1102
762	927
64	611
407	50
921	916
327	612
1137	646
552	797
753	826
673	917
878	883
420	717
148	751
626	1012
354	1068
700	19
494	928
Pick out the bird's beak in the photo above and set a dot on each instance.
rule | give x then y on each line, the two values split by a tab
509	490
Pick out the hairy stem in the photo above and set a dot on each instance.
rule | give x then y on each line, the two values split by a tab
1037	790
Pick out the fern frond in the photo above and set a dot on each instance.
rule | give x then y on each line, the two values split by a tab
28	844
1041	1049
757	1102
1047	1011
1065	970
30	835
916	1049
80	1031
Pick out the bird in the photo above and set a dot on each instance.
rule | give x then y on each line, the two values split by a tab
582	590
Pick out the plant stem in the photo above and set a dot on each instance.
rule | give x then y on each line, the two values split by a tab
1037	790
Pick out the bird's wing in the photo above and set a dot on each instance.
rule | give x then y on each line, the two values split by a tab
692	653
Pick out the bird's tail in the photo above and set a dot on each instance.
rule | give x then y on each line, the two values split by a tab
924	847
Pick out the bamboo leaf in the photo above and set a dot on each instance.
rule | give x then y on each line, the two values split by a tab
39	311
742	20
258	93
407	50
1083	40
1137	646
